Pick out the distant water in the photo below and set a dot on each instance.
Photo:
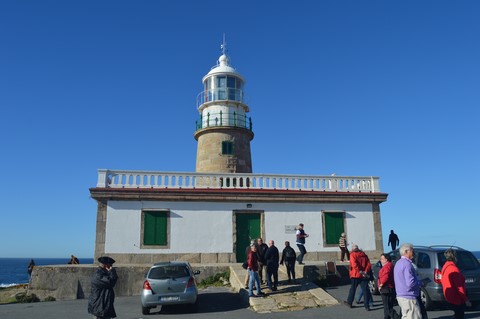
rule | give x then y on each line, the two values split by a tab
13	271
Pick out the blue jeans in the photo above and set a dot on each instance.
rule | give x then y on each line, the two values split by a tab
364	286
253	277
361	294
303	252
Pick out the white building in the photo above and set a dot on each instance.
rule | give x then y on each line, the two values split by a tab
211	215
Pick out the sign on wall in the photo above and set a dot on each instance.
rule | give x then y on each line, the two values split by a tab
290	229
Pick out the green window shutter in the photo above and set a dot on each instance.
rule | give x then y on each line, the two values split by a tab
227	148
155	228
333	227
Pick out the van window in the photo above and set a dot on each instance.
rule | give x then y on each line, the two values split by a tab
423	260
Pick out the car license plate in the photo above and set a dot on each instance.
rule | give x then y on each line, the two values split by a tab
169	298
469	280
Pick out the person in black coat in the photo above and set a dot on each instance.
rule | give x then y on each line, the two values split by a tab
289	257
261	250
272	259
102	296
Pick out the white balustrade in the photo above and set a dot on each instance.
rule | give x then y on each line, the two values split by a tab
176	180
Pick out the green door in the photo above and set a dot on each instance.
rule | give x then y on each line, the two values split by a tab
248	228
333	227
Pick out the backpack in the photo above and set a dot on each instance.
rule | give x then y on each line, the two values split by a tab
290	253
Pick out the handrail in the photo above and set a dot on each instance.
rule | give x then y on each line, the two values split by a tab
223	119
177	180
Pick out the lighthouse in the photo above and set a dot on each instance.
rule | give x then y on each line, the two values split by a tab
224	129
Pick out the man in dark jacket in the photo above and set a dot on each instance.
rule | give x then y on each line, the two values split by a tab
289	257
393	240
272	259
102	296
261	250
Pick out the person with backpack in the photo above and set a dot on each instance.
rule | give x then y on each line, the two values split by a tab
289	257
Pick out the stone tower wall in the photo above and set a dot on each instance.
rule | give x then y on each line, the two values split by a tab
209	150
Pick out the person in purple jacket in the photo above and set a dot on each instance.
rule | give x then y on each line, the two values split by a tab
407	285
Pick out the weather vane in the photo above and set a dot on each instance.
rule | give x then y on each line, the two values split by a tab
224	45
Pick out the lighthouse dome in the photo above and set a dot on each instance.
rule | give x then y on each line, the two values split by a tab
223	67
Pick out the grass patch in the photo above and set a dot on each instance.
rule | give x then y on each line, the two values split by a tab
219	280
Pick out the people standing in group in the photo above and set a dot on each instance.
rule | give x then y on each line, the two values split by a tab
261	250
453	283
301	235
252	262
360	267
272	259
386	286
247	252
30	267
73	260
407	285
289	257
393	240
102	296
343	244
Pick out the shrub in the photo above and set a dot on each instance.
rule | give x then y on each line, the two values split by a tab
24	298
220	279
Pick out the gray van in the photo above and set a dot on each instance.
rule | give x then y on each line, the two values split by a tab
429	261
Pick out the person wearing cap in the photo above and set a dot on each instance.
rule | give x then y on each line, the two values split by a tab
102	296
453	283
342	243
301	235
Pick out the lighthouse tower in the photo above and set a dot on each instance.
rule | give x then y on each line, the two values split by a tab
224	130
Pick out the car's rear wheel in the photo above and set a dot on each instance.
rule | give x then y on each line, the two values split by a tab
372	286
427	302
145	310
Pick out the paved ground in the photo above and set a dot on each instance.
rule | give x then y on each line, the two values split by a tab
301	300
214	303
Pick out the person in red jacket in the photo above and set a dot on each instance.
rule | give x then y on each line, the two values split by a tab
453	283
252	261
386	286
360	267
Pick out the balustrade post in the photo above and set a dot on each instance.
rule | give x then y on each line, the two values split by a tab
102	178
221	118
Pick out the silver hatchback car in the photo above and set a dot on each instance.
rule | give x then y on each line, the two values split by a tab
169	283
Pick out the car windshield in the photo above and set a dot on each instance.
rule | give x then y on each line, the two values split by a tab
465	260
168	272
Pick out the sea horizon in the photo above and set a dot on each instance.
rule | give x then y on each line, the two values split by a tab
13	270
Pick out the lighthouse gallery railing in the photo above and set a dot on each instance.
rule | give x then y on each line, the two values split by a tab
175	180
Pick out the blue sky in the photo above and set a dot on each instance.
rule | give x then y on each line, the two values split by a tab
382	88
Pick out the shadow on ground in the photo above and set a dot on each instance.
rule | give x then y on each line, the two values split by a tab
208	302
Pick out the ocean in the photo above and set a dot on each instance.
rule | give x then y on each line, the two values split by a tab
13	271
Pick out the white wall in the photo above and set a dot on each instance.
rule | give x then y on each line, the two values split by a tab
201	227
